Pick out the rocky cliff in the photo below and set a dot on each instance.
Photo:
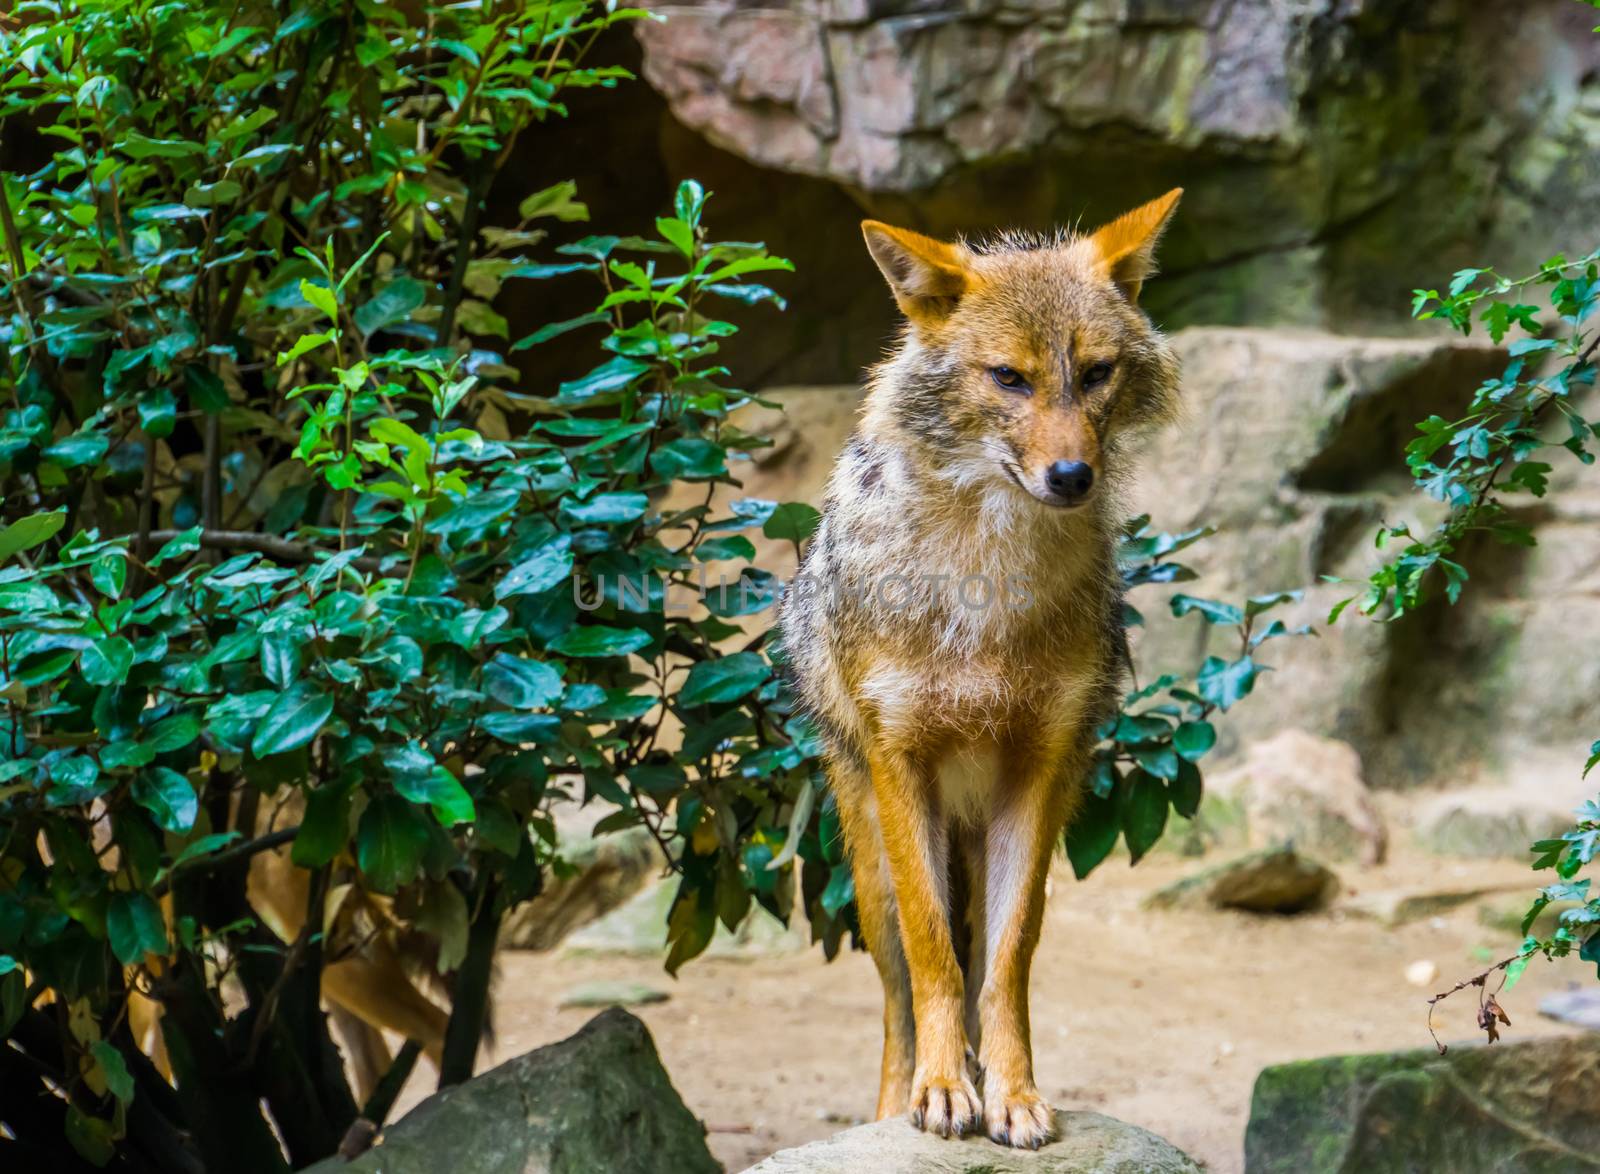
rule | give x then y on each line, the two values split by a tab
1336	153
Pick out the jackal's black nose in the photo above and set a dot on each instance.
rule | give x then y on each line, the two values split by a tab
1069	480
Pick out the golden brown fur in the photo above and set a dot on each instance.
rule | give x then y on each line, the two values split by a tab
955	632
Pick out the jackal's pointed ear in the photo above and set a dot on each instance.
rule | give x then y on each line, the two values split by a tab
1128	244
927	276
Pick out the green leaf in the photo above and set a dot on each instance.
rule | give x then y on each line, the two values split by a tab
542	570
94	1138
1213	611
114	1068
555	329
1193	740
395	302
391	839
1093	832
840	890
305	343
1224	683
138	146
558	200
519	683
1157	760
1186	790
607	509
792	521
107	661
676	233
292	720
321	297
610	376
727	678
324	827
135	927
167	796
1144	817
26	533
443	792
596	640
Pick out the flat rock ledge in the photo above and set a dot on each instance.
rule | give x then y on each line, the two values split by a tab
1086	1143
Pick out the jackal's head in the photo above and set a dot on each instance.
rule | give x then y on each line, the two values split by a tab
1027	360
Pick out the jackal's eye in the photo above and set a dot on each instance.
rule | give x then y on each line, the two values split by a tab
1008	379
1096	374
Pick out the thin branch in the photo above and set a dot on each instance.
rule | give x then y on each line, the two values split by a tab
220	860
280	548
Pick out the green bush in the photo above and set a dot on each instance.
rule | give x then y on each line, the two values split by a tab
289	556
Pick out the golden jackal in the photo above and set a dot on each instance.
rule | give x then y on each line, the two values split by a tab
956	632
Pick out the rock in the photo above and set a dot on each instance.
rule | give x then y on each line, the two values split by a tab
1307	790
1087	1143
1510	1107
1285	122
599	1100
609	869
1395	907
1506	913
1218	824
1487	823
1580	1007
1276	880
640	927
612	994
1422	972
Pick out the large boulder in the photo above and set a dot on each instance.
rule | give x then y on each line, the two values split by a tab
1527	1108
1333	159
1087	1143
1298	787
597	1101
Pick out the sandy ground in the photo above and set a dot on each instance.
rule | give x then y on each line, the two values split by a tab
1161	1019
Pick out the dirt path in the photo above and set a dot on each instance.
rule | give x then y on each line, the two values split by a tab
1162	1019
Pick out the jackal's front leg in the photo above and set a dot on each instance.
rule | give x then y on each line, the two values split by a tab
943	1099
1021	834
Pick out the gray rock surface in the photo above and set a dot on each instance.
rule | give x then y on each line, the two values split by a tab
1087	1143
1489	823
1523	1108
1275	880
1333	154
1308	790
1579	1007
599	1100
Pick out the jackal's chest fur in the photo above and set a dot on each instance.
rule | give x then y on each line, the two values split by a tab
949	620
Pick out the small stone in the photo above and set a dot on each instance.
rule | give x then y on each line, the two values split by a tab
1421	972
1278	880
612	994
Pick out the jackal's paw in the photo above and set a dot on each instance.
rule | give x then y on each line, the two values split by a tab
1021	1118
948	1107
